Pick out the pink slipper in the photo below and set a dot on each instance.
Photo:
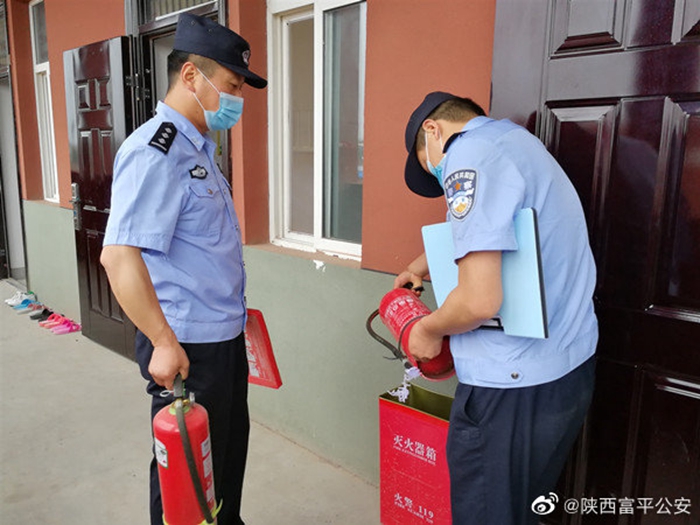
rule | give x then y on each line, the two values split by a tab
66	328
53	320
64	322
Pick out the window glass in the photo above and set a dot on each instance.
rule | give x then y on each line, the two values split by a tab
46	140
301	114
344	72
42	87
41	48
154	9
4	49
317	77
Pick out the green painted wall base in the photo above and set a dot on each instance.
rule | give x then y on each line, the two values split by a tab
332	371
52	268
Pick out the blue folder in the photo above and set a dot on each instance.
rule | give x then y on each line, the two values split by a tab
523	312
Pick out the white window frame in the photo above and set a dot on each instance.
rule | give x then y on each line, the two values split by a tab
279	13
44	116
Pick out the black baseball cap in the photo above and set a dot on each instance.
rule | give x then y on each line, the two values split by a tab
202	36
417	179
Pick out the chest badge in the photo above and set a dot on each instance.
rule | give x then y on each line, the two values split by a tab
198	172
460	190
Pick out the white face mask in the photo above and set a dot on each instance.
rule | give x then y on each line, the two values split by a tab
228	113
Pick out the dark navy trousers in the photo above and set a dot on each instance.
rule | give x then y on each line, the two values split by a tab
506	447
218	376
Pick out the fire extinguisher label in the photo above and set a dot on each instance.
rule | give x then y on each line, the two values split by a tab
208	466
161	453
206	456
206	447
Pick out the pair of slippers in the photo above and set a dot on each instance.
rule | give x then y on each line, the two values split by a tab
42	315
59	325
28	306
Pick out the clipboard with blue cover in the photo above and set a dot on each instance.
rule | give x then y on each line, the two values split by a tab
523	312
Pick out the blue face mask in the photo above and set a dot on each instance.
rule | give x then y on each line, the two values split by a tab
435	170
230	110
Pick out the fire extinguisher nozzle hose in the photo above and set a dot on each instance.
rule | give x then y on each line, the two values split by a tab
189	456
395	351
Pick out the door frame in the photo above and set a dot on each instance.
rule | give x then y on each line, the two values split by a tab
143	37
139	105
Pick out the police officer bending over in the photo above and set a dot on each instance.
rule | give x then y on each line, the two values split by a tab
520	402
172	248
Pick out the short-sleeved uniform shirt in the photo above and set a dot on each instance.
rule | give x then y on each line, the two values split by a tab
493	169
170	199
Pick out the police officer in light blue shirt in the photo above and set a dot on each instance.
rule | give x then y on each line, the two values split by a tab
520	402
173	253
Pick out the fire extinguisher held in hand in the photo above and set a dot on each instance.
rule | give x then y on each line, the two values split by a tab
185	469
399	310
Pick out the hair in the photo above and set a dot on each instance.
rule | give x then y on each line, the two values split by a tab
177	59
454	110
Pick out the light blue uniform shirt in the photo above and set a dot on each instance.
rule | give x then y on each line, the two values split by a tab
493	170
170	199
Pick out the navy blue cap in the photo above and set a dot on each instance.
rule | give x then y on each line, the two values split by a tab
417	179
202	36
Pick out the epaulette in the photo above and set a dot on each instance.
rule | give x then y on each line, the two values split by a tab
164	137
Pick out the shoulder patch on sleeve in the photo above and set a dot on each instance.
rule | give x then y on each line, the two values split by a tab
460	190
164	137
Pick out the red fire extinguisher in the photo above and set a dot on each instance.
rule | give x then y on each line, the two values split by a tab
399	310
185	468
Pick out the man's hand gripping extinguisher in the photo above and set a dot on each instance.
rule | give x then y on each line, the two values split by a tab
185	472
399	310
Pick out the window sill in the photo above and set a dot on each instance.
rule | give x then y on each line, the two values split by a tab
51	204
308	255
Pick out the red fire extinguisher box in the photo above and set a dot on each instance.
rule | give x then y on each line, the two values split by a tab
414	480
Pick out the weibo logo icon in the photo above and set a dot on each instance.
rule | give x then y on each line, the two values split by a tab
545	505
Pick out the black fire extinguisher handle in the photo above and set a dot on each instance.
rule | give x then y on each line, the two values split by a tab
179	386
417	289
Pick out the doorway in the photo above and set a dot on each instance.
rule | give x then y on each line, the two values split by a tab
12	258
159	47
132	73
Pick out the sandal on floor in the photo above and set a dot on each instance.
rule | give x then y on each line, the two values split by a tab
53	320
24	304
32	307
66	328
41	316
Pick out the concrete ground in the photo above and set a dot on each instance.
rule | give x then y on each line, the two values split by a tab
75	443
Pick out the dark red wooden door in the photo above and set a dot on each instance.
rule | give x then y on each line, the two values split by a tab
613	89
99	107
